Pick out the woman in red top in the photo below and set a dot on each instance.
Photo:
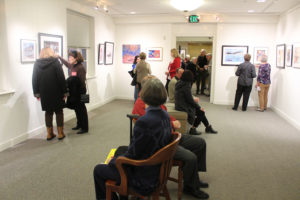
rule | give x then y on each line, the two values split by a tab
173	66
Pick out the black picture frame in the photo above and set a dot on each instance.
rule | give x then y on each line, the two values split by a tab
278	65
101	61
290	63
243	48
109	53
56	38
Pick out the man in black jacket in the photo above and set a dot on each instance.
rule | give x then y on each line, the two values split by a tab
184	101
202	73
246	73
192	66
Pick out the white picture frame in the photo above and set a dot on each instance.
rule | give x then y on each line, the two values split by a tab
296	55
258	53
27	51
280	56
155	54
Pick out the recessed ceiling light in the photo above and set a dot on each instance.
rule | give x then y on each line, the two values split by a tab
96	7
186	5
105	7
132	12
251	11
260	1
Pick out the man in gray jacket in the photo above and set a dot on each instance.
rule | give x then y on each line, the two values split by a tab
246	73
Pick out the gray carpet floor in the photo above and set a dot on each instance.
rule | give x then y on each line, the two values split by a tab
255	156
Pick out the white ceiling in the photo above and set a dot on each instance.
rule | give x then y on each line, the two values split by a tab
155	7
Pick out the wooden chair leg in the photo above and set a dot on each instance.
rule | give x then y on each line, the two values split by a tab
155	196
108	193
166	193
180	183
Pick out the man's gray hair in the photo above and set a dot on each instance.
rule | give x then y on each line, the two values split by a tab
264	58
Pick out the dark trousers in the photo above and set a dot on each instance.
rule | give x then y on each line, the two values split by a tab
201	78
102	173
82	116
192	151
200	117
167	85
59	118
245	91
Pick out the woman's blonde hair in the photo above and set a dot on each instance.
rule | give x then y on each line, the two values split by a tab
46	53
175	53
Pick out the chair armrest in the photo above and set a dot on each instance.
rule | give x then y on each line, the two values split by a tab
132	116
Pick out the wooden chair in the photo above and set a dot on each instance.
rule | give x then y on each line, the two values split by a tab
164	157
179	180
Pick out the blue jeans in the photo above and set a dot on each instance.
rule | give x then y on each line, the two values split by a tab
136	93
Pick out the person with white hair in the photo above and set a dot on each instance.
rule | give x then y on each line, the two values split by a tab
202	73
263	83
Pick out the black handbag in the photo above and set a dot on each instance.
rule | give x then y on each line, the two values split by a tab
85	98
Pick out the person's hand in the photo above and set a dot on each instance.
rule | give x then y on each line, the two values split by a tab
176	124
108	160
56	56
202	109
196	99
38	98
167	73
201	69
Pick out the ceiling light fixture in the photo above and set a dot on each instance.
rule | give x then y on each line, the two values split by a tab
251	11
133	13
260	1
186	5
105	7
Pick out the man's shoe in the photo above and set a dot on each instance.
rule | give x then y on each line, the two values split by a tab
244	110
193	131
82	131
203	185
209	129
196	193
234	108
259	110
76	128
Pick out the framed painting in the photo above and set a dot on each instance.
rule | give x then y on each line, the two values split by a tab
296	55
155	54
233	55
109	53
280	56
289	56
129	51
54	42
182	53
101	54
28	51
258	53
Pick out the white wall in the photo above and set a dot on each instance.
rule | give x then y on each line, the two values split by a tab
20	114
286	82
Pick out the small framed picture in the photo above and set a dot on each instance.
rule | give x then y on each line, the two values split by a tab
280	56
258	53
109	53
101	54
296	55
155	54
28	51
289	55
54	42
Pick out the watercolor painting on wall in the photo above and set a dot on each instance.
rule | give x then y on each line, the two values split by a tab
154	54
129	51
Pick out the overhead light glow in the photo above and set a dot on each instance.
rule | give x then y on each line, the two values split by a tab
260	1
186	5
132	13
251	11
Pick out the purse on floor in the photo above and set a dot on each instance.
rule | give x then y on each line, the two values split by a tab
85	98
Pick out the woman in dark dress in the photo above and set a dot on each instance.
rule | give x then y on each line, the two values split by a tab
48	83
76	69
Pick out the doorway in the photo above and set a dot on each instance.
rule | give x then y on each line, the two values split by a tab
191	47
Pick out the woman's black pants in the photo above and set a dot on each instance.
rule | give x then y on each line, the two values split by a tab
82	116
200	117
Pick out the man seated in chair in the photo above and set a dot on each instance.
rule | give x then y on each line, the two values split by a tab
191	150
151	133
172	84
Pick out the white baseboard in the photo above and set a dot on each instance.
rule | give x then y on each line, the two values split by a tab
41	130
290	120
124	98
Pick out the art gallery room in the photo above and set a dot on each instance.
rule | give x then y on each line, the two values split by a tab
86	109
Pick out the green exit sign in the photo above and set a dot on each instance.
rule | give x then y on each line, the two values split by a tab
194	19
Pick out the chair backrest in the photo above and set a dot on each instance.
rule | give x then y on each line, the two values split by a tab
163	157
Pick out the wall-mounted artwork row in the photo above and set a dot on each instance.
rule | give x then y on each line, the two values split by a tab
296	55
129	51
280	56
233	55
155	54
259	52
28	51
101	54
109	53
54	42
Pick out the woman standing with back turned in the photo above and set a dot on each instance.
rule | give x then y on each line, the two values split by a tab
263	82
49	86
76	69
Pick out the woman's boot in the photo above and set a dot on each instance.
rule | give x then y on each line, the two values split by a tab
61	134
50	135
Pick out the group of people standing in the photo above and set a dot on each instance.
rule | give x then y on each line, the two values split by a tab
55	92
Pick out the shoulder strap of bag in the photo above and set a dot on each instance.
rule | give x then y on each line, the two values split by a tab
87	87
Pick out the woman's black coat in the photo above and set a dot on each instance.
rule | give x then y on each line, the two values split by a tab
75	88
48	83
